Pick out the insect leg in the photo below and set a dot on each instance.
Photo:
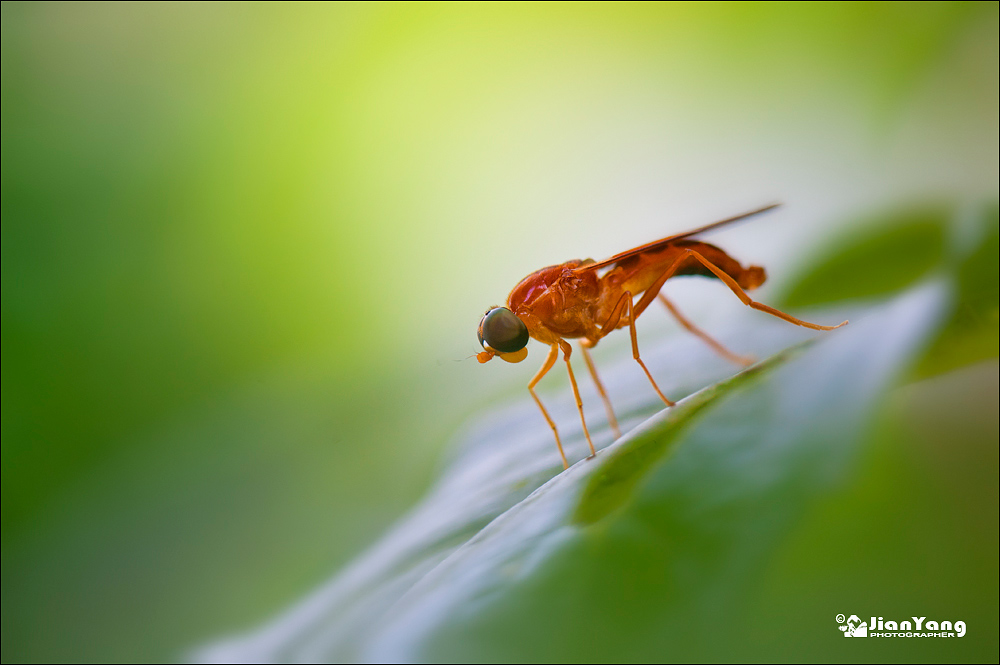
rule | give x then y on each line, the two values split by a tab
567	350
635	348
600	388
741	294
701	334
625	301
654	289
549	362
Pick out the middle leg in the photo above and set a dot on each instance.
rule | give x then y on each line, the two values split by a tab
600	388
625	303
635	351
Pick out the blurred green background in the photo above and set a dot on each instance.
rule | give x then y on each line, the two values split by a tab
243	245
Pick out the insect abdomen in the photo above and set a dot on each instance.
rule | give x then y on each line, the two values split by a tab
638	273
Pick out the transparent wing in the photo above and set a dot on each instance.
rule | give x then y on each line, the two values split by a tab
657	244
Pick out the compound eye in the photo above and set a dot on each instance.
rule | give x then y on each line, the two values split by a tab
503	331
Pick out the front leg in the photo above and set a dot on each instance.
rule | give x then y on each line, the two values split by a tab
567	350
550	360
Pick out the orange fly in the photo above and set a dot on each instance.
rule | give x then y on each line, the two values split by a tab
587	300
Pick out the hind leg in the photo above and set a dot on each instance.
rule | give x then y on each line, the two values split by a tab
703	336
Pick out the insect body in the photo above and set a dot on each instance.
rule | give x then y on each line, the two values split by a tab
586	300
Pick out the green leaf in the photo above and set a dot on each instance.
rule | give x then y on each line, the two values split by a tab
973	330
883	256
879	257
663	546
644	551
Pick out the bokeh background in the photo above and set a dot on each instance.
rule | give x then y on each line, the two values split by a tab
245	248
